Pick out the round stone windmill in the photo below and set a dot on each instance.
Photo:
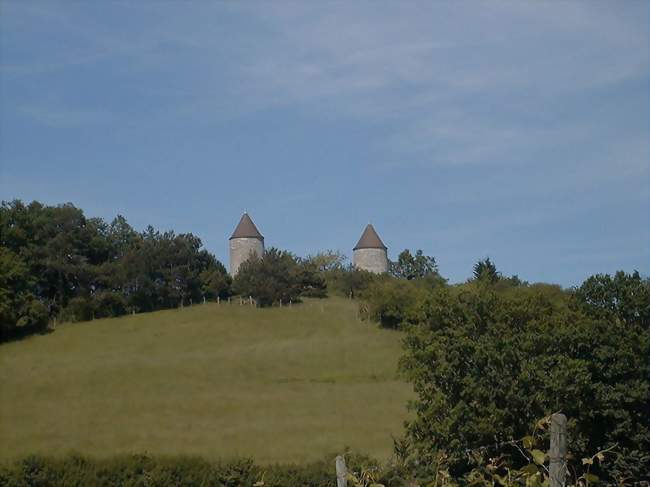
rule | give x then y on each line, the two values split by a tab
370	253
245	241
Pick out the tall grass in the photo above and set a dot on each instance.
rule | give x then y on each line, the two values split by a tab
219	381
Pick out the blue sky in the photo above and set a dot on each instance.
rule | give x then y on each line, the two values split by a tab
514	130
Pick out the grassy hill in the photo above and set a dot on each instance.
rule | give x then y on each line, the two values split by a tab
281	385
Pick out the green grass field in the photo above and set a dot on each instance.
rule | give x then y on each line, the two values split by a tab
280	385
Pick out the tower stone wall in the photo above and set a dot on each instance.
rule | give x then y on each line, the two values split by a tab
370	253
372	260
241	250
245	242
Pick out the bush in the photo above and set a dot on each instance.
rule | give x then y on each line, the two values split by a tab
78	309
139	470
349	281
487	364
278	276
109	304
393	303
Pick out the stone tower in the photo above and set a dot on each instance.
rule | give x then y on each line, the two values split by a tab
370	253
246	239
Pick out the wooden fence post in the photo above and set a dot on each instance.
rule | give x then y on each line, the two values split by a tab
341	472
557	452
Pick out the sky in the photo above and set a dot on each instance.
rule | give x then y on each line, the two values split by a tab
515	130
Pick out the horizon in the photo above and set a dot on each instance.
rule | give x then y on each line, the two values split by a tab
517	131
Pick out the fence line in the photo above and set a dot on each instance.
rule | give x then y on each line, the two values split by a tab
557	453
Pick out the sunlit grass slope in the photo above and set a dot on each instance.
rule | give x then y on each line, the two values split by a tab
285	385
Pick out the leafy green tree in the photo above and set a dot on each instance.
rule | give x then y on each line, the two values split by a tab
623	297
215	282
394	303
311	279
416	266
270	279
486	364
327	261
486	271
62	264
349	281
19	308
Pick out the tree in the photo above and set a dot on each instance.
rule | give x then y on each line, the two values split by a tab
278	276
311	279
416	266
269	279
487	364
327	261
59	264
215	282
624	297
20	310
486	271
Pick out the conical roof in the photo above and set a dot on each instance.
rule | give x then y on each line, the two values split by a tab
370	240
246	229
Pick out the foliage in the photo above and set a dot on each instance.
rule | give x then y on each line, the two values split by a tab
622	298
393	303
522	462
56	263
348	281
327	261
485	363
20	310
164	471
276	277
416	266
496	468
395	300
486	271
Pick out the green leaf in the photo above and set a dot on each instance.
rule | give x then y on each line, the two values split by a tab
538	456
590	477
528	441
529	469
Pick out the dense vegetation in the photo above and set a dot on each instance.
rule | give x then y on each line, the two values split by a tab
55	262
491	356
277	277
151	471
487	358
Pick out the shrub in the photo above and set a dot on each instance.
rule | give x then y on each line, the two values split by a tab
278	276
349	281
487	364
139	470
393	303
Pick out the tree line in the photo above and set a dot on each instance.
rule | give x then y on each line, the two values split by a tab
55	263
490	356
487	357
58	264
